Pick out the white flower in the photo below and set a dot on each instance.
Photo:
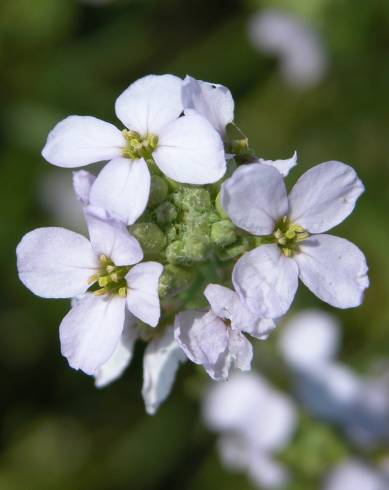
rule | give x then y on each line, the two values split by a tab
330	390
332	268
213	101
187	149
160	362
255	421
302	55
58	263
214	338
353	474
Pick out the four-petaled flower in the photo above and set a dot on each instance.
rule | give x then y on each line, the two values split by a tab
214	338
334	269
58	263
186	148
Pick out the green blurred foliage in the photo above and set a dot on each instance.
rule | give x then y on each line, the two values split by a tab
61	57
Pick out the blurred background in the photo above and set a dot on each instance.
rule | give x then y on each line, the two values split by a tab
307	75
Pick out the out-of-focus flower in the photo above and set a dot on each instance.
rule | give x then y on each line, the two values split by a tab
214	338
302	55
150	108
356	475
254	422
294	245
329	389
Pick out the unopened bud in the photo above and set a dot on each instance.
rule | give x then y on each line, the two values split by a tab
223	233
150	237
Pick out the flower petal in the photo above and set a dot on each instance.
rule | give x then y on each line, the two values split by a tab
160	363
191	151
91	331
334	269
324	196
142	296
266	281
202	336
80	140
241	350
255	198
55	262
150	103
121	357
212	101
283	166
122	188
82	184
112	239
226	304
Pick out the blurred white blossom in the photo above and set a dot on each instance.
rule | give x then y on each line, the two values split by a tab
356	475
301	52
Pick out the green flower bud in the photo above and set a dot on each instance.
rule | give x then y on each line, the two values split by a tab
158	191
150	237
219	207
196	247
196	199
174	280
223	233
234	250
165	213
175	253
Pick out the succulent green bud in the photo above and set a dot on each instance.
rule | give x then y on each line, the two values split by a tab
196	198
174	279
223	233
158	191
219	207
238	248
196	247
150	237
165	213
175	253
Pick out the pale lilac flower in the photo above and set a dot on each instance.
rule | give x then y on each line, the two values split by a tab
211	100
214	338
353	474
300	50
58	263
295	246
187	148
332	390
254	422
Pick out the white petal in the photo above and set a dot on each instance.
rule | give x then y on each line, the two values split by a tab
79	140
82	184
91	331
122	188
226	304
266	281
310	338
191	151
266	472
334	269
203	337
121	357
283	166
353	474
142	295
241	350
324	196
255	198
160	363
112	239
55	262
212	101
150	103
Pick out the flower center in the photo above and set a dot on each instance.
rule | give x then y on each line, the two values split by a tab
110	279
138	146
287	235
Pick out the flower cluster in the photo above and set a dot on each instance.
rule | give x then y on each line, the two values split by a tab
182	212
